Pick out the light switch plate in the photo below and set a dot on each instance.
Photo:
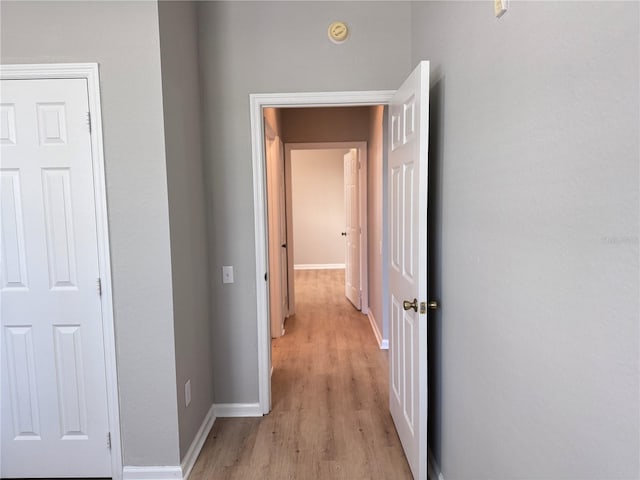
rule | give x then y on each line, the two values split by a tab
500	7
187	393
227	274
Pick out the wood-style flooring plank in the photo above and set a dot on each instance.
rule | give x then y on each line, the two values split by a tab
330	395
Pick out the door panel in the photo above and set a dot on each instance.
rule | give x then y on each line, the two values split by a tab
56	187
70	381
13	269
407	266
275	170
284	242
352	228
21	368
54	404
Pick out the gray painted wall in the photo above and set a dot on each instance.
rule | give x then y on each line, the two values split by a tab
534	175
187	215
535	251
123	39
275	47
317	180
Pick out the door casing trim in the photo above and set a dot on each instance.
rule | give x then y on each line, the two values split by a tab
257	102
90	73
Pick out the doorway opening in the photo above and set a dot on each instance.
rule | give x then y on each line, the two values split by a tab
263	108
406	224
328	337
318	210
318	207
329	212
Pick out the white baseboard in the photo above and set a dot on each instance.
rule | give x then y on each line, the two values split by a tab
152	473
191	456
433	467
382	342
223	410
318	266
182	471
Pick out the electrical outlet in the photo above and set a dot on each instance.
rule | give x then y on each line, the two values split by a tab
227	274
500	7
187	393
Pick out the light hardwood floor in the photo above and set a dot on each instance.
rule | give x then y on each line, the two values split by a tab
330	417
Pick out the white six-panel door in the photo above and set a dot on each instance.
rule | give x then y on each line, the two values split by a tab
54	400
275	208
408	266
352	228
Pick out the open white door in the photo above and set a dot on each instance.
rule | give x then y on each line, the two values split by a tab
54	395
282	226
408	265
352	228
277	247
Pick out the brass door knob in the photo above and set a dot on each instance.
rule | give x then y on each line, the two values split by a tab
407	305
433	305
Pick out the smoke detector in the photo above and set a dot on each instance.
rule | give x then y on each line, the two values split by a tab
338	32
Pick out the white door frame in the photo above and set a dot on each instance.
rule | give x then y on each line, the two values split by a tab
257	102
362	202
89	72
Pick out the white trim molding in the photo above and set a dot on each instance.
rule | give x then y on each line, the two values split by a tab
152	473
258	101
191	456
182	471
383	343
227	410
319	266
90	73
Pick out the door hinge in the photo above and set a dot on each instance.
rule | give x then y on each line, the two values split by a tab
109	440
99	284
89	121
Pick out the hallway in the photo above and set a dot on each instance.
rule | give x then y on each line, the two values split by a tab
330	417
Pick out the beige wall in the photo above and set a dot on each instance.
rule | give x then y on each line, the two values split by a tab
318	206
325	124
